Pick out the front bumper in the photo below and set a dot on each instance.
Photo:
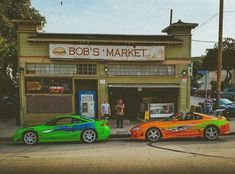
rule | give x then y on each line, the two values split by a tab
16	138
225	129
138	135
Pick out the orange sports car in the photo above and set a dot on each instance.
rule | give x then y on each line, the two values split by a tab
182	125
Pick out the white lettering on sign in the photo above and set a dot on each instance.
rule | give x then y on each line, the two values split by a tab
141	53
87	97
102	81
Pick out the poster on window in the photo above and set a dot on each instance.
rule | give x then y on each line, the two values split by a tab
159	110
33	86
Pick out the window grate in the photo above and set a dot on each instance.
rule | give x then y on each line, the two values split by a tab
86	69
148	70
58	69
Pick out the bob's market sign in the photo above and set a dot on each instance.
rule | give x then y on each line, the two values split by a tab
99	52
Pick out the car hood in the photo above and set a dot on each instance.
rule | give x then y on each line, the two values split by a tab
32	126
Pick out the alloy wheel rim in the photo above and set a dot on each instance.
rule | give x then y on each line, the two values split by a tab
153	134
211	133
30	138
89	136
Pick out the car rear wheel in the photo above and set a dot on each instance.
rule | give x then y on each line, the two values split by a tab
211	133
89	136
30	138
153	135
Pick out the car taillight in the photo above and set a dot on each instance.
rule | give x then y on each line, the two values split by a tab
105	124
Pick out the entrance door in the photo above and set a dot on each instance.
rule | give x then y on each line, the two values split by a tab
130	97
138	100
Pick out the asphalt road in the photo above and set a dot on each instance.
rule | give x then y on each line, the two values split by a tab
121	156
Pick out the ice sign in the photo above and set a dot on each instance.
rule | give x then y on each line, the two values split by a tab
87	97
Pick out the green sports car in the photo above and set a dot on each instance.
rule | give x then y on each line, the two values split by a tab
64	128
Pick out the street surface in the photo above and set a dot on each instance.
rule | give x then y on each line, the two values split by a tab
121	156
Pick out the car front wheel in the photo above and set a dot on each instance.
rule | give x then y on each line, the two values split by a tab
30	138
211	133
153	135
89	136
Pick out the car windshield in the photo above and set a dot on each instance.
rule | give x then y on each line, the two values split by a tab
225	101
169	118
175	116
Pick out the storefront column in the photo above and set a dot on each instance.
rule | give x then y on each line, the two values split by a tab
22	98
183	97
102	93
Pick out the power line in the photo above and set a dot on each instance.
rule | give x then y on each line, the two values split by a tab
212	17
206	21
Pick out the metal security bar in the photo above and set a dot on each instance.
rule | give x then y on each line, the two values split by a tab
86	69
59	69
146	70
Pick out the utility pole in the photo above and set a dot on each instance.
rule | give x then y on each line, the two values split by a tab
220	53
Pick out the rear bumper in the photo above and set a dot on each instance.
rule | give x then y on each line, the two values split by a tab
103	133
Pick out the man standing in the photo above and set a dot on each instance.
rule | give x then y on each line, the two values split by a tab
208	105
105	110
120	113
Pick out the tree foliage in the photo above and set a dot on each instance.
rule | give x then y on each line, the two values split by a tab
197	65
228	63
12	10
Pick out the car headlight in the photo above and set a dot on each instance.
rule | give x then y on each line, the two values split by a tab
136	128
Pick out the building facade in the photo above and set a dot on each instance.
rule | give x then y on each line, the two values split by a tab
73	73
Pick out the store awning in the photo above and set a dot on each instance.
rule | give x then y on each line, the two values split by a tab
119	85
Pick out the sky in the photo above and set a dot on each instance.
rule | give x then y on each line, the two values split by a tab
144	17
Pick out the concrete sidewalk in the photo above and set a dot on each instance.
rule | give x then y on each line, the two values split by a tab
7	128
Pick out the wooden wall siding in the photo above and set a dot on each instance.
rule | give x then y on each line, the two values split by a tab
32	49
48	104
42	49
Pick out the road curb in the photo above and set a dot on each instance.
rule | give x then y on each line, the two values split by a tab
119	135
5	138
111	136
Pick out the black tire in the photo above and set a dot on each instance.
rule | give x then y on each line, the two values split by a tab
153	134
89	136
30	138
211	133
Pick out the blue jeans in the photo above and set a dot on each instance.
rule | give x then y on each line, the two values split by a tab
207	111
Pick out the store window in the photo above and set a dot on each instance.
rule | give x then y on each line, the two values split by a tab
147	70
52	69
48	85
86	69
59	69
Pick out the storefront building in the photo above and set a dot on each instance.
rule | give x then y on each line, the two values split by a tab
73	73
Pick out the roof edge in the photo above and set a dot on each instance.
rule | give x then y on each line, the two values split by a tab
180	24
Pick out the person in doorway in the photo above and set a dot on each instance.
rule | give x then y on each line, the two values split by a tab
120	113
207	105
105	110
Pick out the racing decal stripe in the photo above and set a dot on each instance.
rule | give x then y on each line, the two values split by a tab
73	128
